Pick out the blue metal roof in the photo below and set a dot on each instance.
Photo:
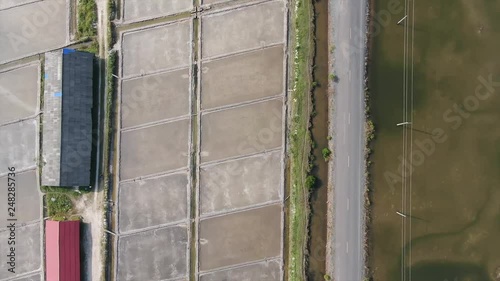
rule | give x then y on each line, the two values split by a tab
68	51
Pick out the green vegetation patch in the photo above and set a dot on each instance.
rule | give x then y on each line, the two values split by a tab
59	206
66	190
59	203
326	153
110	82
110	91
310	182
87	19
369	130
93	47
109	25
300	140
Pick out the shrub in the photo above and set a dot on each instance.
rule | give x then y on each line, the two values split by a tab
310	182
369	130
326	153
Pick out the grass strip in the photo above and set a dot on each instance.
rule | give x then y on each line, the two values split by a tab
302	39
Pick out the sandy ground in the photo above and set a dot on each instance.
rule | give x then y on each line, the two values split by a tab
267	270
89	206
137	10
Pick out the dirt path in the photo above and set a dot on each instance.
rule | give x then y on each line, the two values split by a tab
90	206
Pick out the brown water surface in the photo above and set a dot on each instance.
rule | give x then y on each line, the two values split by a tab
318	231
450	193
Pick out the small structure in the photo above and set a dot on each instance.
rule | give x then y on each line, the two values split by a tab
67	118
62	250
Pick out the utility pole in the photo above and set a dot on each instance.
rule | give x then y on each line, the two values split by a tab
404	123
109	231
401	214
401	20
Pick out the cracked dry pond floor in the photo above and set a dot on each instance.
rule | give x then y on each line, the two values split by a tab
451	192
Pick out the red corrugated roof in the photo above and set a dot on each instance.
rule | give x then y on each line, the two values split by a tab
52	250
62	247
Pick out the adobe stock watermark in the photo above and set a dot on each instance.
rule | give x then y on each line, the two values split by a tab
456	116
33	24
75	155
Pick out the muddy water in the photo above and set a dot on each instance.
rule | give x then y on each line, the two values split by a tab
317	242
451	192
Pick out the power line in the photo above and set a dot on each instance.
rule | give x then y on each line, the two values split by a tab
411	133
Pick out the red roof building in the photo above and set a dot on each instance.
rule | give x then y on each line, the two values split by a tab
62	250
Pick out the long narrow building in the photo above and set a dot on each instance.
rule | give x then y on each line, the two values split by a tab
67	118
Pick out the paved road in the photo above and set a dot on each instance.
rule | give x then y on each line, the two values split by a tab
349	22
